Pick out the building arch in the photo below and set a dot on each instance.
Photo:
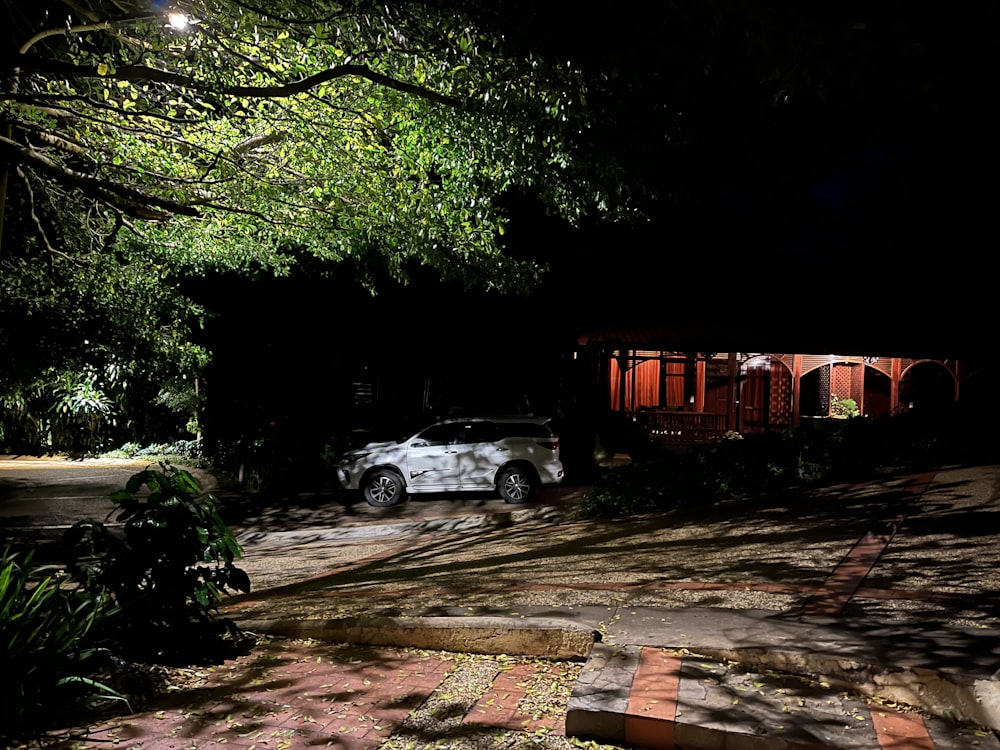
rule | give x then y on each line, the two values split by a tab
765	394
927	385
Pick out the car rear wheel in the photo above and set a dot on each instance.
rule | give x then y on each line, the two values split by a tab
516	485
383	488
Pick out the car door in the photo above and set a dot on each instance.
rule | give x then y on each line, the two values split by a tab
480	454
432	458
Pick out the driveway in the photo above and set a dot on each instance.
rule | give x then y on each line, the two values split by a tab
939	561
58	492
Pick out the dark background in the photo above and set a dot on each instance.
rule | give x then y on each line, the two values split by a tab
817	178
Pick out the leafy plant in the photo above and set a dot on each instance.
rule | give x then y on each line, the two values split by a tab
48	655
81	405
844	407
166	569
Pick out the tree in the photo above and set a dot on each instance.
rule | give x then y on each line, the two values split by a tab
344	130
139	148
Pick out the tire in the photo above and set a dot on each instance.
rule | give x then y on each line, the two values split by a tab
516	485
383	488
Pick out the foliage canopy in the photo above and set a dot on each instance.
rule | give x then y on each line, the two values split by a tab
237	134
142	144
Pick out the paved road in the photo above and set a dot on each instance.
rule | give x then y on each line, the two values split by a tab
57	491
54	492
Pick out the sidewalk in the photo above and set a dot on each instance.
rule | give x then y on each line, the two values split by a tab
886	590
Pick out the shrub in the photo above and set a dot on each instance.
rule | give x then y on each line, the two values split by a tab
165	569
187	452
128	450
47	656
836	450
844	408
657	484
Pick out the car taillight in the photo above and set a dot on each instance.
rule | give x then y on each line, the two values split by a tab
552	444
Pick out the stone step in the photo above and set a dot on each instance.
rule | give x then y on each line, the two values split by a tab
659	698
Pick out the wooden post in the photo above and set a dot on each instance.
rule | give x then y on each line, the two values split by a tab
895	375
796	389
699	384
622	374
731	393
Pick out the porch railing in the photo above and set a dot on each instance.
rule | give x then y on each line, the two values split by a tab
681	426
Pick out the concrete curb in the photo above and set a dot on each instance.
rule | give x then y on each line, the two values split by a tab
542	638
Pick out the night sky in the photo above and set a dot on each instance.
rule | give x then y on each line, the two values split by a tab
828	183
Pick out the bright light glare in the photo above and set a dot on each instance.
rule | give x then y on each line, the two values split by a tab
178	21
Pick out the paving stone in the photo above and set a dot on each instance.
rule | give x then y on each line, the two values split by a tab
654	698
783	710
599	701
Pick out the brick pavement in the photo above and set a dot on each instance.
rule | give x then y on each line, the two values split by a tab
290	694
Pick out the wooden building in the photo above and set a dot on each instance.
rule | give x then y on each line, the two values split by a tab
689	397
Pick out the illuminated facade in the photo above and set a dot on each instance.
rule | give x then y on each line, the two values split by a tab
691	397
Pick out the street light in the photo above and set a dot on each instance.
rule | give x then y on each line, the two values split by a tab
178	21
175	19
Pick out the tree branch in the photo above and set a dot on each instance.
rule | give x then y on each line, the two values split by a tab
257	141
38	223
97	26
155	75
265	218
50	139
130	200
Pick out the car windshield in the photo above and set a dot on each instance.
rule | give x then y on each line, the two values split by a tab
412	434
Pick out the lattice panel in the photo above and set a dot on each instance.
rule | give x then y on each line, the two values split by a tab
824	390
840	381
781	396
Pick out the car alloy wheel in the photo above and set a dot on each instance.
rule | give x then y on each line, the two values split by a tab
515	485
384	488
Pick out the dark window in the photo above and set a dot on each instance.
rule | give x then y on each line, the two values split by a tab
523	429
440	434
480	432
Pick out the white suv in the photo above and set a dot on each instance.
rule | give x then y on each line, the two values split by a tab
513	455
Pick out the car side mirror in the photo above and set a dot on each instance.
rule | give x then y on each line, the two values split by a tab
419	444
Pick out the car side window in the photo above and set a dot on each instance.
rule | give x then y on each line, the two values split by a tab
481	432
439	434
522	430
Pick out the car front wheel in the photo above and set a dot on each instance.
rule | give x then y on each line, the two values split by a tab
383	488
516	485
